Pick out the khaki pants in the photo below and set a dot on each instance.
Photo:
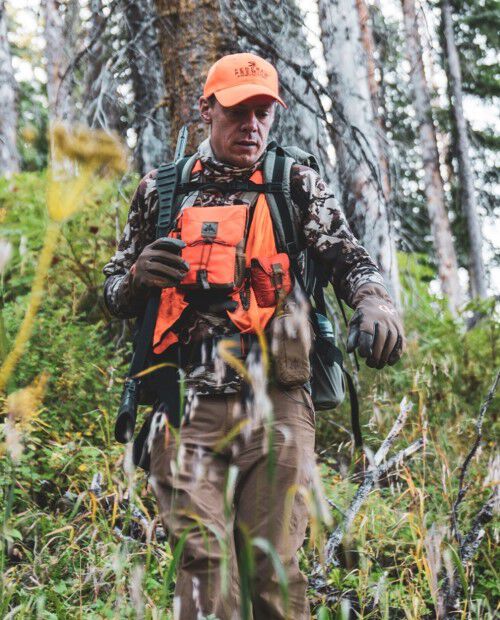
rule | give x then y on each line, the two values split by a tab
230	488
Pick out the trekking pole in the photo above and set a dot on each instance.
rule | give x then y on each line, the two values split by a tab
127	412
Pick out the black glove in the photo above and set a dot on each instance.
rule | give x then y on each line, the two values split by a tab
375	327
160	265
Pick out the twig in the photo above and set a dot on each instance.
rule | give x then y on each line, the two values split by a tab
371	478
452	588
462	487
364	490
97	35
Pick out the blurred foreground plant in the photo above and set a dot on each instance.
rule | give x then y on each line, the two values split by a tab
78	157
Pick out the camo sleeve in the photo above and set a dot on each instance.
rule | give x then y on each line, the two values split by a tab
326	230
139	231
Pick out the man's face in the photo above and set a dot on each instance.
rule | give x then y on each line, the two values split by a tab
238	134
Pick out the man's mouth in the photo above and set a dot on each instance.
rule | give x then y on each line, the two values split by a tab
247	144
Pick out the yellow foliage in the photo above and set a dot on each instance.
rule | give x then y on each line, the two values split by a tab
77	157
94	149
22	406
29	133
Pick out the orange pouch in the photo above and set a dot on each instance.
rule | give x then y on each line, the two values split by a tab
215	244
271	281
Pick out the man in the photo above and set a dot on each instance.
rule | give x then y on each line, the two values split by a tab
231	483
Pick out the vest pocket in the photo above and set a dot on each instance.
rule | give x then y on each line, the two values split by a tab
215	241
271	281
290	349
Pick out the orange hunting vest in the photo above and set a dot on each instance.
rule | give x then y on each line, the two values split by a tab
260	243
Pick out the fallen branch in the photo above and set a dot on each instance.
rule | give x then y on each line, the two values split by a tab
372	476
364	490
452	589
462	487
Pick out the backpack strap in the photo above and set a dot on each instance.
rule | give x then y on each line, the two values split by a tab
167	178
229	187
277	169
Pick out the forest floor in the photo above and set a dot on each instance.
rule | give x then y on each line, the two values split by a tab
78	525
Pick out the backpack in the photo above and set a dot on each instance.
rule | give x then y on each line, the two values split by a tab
329	377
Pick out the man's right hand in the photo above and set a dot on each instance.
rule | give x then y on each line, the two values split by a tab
159	265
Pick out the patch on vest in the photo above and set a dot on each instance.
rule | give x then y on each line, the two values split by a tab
209	229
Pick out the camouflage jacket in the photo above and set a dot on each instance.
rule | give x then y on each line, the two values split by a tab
324	229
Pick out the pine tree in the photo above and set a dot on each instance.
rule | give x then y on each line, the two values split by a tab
476	30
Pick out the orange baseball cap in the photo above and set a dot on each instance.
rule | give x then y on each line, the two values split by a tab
237	77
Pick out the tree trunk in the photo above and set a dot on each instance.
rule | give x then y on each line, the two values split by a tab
438	216
465	173
60	33
355	138
102	102
150	118
275	32
369	46
9	157
192	37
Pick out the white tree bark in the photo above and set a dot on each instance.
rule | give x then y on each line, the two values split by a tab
60	43
148	82
275	31
356	141
368	42
438	216
9	157
465	174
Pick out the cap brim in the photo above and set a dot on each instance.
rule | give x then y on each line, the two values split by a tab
228	97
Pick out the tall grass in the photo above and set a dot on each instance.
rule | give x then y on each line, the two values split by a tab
69	550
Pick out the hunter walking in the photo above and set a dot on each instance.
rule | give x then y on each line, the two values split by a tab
252	234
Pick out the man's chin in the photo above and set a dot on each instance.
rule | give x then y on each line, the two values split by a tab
244	160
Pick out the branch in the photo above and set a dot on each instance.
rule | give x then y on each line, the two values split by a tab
364	490
452	588
97	35
462	487
371	478
397	427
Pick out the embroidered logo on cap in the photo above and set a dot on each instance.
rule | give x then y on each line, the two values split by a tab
251	70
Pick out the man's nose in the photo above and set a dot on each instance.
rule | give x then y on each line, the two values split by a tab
250	122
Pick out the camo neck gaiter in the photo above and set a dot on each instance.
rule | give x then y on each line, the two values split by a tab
221	170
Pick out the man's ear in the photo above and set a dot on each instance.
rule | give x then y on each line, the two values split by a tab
205	110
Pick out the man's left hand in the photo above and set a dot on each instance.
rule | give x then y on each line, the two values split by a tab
375	328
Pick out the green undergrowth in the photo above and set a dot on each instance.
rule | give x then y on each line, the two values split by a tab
72	550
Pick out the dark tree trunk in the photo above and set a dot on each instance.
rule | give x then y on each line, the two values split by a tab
192	37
